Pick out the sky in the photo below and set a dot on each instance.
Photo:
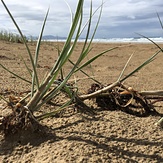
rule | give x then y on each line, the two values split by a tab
120	18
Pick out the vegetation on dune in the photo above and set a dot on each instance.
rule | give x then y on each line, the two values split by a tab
112	96
11	37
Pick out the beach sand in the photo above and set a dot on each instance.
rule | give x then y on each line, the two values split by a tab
109	136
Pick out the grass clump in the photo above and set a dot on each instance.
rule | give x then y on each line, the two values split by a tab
8	36
42	91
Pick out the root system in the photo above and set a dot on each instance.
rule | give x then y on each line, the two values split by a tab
124	99
117	97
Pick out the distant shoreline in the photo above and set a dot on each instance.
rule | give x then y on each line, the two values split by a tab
116	40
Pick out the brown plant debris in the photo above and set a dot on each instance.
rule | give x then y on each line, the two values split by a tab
122	98
20	119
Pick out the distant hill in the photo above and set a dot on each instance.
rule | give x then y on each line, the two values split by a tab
51	37
47	37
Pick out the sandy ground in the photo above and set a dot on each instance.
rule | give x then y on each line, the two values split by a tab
108	136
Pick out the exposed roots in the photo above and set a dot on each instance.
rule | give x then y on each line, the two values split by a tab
112	97
18	121
122	98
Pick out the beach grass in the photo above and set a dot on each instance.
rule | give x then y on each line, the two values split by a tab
42	91
11	37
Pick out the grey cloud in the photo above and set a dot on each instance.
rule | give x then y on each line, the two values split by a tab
120	19
128	29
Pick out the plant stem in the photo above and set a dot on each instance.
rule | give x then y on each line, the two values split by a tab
34	100
146	93
160	122
95	94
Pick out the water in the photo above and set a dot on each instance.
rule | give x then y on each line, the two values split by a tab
130	40
120	40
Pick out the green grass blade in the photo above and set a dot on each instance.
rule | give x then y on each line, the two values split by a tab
66	53
61	71
72	15
85	73
28	69
15	74
54	92
58	52
50	114
37	54
24	41
63	57
66	48
71	50
88	31
63	61
91	16
150	41
85	49
39	39
160	20
97	24
94	58
121	74
141	66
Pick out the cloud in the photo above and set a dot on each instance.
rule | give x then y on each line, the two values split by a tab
119	19
124	19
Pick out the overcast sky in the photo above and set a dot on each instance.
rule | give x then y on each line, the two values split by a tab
120	18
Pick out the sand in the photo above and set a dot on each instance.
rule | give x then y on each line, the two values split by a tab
108	136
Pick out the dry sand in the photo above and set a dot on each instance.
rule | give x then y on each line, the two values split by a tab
109	136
